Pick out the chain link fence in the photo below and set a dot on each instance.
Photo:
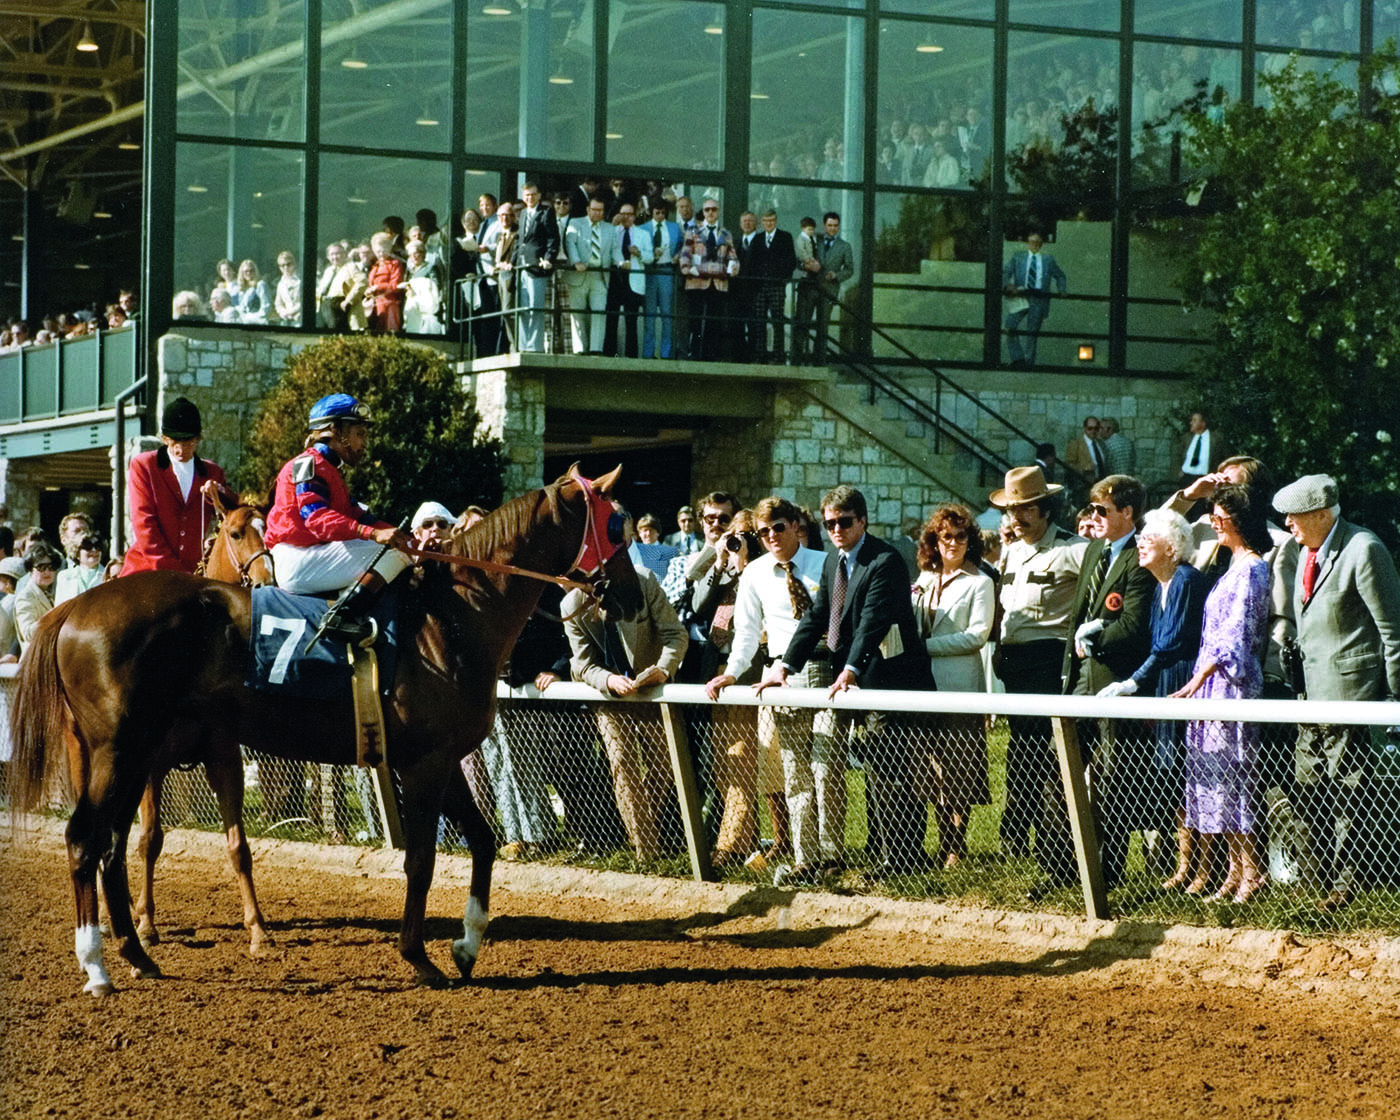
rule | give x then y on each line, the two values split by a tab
998	801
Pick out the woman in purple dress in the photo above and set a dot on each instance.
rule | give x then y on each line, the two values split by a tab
1220	793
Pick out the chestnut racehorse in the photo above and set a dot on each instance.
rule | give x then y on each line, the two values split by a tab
235	554
115	671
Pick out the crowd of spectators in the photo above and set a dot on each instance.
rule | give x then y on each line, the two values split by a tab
18	333
37	573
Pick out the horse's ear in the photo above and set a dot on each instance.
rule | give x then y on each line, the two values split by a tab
605	484
221	505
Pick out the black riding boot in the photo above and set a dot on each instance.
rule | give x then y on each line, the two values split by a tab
347	619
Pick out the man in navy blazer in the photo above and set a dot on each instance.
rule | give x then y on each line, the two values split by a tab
1026	279
770	263
867	628
1346	602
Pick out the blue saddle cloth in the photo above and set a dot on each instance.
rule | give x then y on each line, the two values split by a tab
278	660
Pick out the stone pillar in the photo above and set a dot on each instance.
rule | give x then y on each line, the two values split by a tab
511	405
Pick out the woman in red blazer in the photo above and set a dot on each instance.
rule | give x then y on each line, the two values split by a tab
169	494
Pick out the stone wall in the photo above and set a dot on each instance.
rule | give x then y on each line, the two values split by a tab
511	405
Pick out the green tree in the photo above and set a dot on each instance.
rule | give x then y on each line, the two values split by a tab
1299	259
425	444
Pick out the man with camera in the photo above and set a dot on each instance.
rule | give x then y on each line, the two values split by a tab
775	592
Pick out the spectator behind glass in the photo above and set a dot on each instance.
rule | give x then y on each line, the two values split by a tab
221	306
251	298
385	285
187	305
115	316
288	300
226	276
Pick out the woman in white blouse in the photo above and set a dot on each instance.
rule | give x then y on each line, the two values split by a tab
954	603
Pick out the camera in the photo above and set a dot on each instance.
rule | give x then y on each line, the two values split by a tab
747	541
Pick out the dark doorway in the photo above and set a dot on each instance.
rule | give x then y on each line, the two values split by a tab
654	479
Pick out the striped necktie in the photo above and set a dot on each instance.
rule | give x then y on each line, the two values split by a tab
838	603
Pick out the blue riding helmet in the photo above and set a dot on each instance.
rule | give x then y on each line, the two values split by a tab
338	406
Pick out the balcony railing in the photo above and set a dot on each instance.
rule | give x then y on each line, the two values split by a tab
69	378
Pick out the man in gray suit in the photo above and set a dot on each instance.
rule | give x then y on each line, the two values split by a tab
836	263
1026	279
1347	607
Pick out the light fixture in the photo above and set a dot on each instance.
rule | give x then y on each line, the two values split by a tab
757	94
101	214
357	200
197	188
714	29
16	237
83	265
496	10
87	43
353	61
426	119
1086	351
559	78
929	48
129	146
612	136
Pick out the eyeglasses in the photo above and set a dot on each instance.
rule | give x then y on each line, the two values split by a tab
845	521
952	538
777	529
1218	518
1099	510
711	209
44	568
436	523
718	518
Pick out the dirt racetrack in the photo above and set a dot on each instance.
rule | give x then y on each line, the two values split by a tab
649	1005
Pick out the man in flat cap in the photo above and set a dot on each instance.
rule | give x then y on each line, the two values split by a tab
1346	601
1039	578
170	494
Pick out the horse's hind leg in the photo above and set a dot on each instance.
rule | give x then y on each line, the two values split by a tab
481	839
118	892
84	857
223	765
148	847
421	805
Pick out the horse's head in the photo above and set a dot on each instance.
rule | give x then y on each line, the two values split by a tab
603	555
239	554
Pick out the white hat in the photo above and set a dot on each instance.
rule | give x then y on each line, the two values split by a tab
430	511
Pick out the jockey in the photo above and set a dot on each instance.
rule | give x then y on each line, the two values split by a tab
320	539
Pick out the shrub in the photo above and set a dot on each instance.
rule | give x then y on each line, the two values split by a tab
424	444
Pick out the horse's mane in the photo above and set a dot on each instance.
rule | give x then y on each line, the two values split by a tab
502	529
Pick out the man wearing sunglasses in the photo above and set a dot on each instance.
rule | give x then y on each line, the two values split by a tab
775	593
864	613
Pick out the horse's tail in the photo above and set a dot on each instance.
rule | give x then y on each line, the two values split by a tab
39	712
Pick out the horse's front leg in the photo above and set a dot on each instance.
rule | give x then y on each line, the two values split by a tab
149	844
118	892
421	805
481	839
223	765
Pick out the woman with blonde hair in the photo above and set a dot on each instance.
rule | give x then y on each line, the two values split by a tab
252	299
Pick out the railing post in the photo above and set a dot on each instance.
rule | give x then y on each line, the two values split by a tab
1081	817
683	768
119	465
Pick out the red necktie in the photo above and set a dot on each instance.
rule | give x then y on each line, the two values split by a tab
1310	575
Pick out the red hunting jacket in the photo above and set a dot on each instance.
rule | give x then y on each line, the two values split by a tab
167	530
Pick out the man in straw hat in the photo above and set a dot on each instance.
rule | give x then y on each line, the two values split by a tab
1346	600
1039	574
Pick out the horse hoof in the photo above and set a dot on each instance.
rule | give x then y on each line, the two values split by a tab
148	937
464	958
260	945
99	988
146	972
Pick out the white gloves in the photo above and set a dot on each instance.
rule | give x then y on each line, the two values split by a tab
1119	688
1084	636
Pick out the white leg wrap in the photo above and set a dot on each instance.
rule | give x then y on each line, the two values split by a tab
87	944
474	923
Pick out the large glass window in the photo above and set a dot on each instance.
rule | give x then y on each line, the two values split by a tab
1160	336
934	104
792	133
1081	250
1087	15
968	9
1168	80
386	74
242	206
242	72
529	79
1321	25
930	276
666	84
358	192
1193	19
1062	135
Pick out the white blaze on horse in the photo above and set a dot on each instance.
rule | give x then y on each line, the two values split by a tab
113	673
